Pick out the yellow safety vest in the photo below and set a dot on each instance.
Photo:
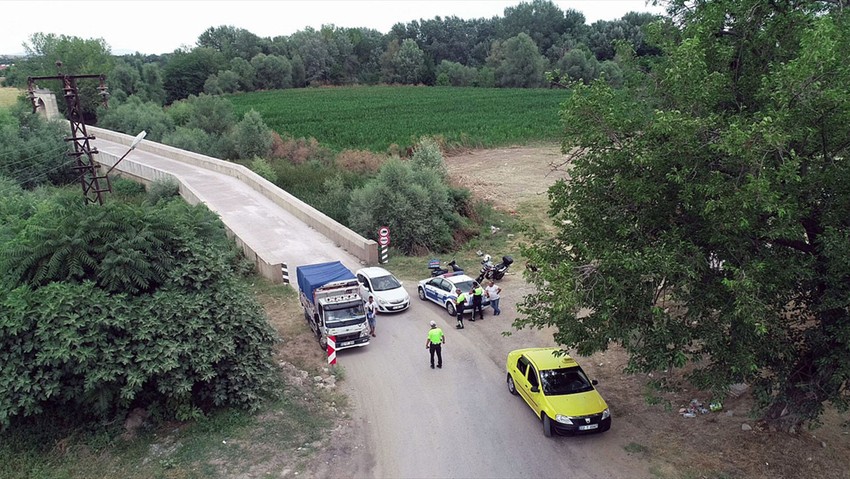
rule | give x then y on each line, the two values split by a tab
478	291
435	335
461	298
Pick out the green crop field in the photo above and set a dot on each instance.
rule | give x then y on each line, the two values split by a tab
373	118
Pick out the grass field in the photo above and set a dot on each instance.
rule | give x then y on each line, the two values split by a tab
8	96
374	118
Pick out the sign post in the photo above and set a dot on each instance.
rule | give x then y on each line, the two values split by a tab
383	244
332	350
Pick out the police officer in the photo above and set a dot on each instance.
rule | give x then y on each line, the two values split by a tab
460	303
435	343
477	298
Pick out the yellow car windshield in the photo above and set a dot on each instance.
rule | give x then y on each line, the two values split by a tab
557	382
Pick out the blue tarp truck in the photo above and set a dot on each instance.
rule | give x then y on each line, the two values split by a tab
330	295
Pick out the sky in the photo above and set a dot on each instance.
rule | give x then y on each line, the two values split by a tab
161	26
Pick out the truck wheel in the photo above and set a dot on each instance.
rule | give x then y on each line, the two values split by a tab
450	308
422	294
323	344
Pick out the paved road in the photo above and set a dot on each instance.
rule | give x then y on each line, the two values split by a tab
460	421
454	422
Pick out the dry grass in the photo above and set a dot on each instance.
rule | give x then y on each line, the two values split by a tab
360	161
9	96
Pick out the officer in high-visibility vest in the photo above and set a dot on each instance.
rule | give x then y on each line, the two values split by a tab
460	303
435	342
477	298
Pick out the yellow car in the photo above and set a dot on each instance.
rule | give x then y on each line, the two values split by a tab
558	391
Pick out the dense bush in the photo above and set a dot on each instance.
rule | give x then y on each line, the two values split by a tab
413	199
134	115
32	151
122	306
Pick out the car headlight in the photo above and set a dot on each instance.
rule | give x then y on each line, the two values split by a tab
606	414
563	419
383	302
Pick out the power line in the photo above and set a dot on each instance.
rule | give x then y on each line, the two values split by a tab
40	175
39	155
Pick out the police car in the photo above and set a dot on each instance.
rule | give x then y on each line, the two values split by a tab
441	290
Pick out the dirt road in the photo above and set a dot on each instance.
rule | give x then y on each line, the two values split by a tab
461	421
411	421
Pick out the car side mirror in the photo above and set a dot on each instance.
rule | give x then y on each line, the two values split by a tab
534	389
594	382
401	283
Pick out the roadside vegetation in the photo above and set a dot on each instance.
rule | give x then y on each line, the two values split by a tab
704	224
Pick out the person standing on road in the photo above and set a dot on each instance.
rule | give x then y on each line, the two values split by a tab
477	300
435	342
371	312
460	303
492	291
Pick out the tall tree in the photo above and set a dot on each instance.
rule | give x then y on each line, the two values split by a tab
517	62
542	20
185	72
708	225
78	56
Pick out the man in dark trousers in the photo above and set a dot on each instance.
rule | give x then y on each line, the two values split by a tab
477	298
460	303
435	342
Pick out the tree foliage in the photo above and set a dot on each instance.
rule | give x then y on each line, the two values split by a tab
517	63
78	56
185	72
134	115
33	151
707	225
124	306
412	199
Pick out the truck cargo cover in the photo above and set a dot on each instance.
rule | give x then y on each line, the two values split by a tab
313	276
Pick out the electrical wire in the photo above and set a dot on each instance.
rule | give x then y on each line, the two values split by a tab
28	159
41	174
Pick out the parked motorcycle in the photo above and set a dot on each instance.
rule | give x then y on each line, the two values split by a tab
437	269
491	271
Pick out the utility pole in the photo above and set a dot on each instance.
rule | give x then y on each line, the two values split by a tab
92	181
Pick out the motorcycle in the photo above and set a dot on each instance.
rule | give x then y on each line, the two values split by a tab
437	270
491	271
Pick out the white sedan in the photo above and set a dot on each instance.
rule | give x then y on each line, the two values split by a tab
386	288
441	290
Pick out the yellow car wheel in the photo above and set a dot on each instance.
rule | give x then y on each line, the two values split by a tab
511	385
547	425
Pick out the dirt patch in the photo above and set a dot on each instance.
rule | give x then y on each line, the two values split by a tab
302	362
726	443
508	177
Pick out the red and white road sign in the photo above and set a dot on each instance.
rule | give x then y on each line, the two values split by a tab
384	231
331	350
384	241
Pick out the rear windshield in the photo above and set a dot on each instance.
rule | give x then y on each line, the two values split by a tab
562	381
464	286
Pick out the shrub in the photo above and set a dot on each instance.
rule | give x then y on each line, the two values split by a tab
360	161
251	137
262	167
162	190
120	307
413	200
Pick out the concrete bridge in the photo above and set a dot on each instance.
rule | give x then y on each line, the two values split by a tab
274	229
